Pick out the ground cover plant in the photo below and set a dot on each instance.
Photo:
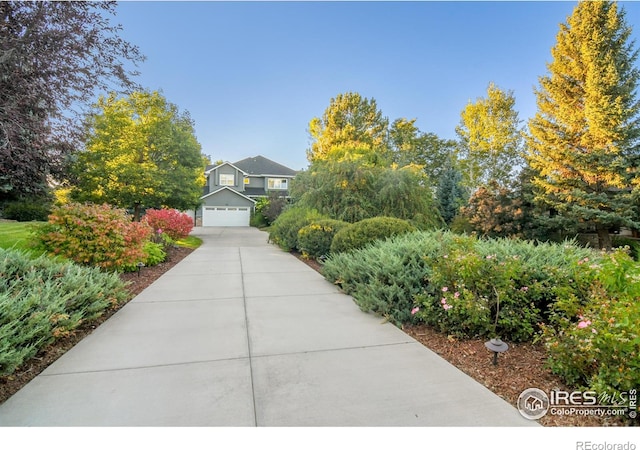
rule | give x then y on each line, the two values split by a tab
42	299
577	300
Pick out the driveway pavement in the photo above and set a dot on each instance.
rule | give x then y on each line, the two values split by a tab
240	333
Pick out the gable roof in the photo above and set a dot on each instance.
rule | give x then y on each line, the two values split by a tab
226	163
259	165
229	189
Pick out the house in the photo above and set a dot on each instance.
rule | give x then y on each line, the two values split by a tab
232	189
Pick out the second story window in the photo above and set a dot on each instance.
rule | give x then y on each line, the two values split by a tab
277	183
227	179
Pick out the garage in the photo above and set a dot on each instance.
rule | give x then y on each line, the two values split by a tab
226	216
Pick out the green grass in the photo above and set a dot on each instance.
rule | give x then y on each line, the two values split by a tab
189	242
16	235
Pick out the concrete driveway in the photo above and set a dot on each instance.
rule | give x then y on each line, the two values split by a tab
242	334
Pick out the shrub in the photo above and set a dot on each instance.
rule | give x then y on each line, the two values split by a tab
315	239
154	254
284	231
42	299
94	235
596	344
171	222
457	281
367	231
27	211
384	278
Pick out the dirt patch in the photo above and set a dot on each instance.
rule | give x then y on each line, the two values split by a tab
136	283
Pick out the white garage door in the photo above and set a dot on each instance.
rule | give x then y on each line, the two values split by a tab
226	216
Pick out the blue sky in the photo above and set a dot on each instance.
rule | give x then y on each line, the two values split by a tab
253	74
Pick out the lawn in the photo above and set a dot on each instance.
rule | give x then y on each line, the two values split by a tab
16	234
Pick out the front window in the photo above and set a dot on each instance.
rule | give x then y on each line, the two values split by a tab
277	183
227	179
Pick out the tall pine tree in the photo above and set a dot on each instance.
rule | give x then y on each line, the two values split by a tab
584	139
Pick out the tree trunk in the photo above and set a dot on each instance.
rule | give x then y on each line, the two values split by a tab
136	212
604	240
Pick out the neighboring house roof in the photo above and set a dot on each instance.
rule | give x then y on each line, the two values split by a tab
226	163
259	165
229	189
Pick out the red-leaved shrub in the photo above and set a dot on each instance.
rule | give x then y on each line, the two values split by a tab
171	222
94	235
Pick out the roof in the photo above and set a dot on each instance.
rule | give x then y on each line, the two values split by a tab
228	189
259	165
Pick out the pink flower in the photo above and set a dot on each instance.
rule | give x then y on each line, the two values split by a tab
584	324
524	288
159	231
447	307
456	294
415	310
593	330
445	289
443	301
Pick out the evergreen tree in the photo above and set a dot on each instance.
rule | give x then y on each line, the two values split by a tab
584	139
450	193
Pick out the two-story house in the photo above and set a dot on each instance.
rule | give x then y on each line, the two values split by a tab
232	189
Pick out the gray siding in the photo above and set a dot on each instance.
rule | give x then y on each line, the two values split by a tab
226	198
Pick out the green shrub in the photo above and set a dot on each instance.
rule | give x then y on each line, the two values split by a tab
367	231
456	281
315	239
596	344
42	299
284	231
385	277
27	211
633	244
258	220
94	235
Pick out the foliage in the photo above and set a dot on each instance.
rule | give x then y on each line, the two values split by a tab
494	211
284	231
490	138
353	190
634	245
27	210
271	207
350	121
421	269
140	151
315	239
368	231
173	223
411	146
94	235
79	52
42	299
584	138
595	343
451	195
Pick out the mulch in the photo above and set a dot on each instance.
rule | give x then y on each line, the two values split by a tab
521	367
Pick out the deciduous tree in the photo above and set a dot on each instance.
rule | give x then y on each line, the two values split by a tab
350	121
141	151
54	56
490	138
